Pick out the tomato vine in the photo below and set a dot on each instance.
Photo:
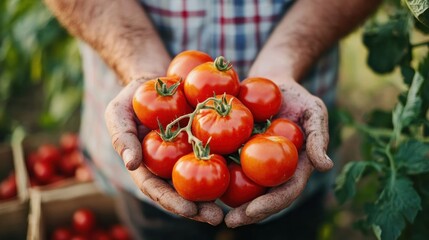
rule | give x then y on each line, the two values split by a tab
396	143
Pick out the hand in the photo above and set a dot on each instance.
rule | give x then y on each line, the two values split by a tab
125	133
310	112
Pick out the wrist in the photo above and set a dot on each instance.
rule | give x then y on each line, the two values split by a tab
143	66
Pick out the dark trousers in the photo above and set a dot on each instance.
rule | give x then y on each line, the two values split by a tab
151	223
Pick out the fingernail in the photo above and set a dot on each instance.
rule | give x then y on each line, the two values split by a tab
329	160
127	156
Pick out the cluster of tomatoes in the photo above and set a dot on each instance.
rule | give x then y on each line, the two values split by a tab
201	116
8	189
84	226
50	163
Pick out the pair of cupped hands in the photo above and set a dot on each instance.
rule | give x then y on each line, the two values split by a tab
298	105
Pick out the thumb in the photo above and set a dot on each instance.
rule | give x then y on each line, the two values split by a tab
119	117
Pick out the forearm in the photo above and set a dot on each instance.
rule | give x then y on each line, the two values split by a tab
119	30
307	30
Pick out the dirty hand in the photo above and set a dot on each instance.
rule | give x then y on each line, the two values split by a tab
310	112
125	132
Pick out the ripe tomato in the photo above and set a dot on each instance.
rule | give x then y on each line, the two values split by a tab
69	142
200	179
31	159
119	232
288	129
61	233
185	61
43	172
83	173
240	189
269	160
155	100
83	220
159	156
210	78
262	96
49	153
70	162
8	187
226	133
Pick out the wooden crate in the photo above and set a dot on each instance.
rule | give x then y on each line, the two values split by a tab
13	212
31	143
55	207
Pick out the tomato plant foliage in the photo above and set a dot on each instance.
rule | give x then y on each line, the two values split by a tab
396	143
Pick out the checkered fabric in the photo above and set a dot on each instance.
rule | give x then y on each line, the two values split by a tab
236	29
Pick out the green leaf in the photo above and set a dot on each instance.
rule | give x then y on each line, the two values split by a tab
352	172
413	156
388	43
379	118
403	115
420	9
407	73
423	68
398	202
62	105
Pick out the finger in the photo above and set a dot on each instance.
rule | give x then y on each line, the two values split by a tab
315	124
237	217
210	213
277	199
162	193
120	122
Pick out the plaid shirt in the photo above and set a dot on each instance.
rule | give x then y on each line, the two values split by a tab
224	27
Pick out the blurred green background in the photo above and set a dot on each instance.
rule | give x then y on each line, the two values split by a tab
40	70
41	88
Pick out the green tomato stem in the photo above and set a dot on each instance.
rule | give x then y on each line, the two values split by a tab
163	90
221	64
200	151
420	44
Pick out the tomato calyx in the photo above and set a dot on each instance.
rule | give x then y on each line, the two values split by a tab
221	64
163	90
259	128
201	151
235	157
168	134
221	106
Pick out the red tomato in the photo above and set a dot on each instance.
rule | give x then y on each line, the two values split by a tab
119	232
70	162
69	142
84	220
152	102
200	179
43	172
185	61
8	187
226	133
262	96
159	156
240	189
61	233
269	160
83	174
288	129
49	153
31	159
211	78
